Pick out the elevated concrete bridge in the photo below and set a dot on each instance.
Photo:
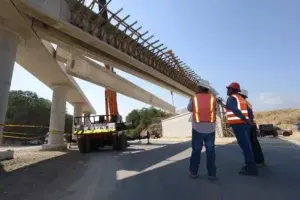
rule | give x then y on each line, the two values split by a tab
78	29
18	42
80	32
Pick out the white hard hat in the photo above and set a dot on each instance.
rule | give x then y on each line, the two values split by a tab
244	92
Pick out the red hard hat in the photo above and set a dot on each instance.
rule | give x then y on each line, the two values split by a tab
234	85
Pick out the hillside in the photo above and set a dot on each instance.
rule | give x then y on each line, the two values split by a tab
286	118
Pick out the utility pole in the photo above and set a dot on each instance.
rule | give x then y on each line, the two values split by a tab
172	98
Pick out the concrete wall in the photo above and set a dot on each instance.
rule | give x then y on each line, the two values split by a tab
180	126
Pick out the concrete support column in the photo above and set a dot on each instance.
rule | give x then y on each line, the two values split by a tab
219	127
87	119
78	109
77	113
57	118
8	50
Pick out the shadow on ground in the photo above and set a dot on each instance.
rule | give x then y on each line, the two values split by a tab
280	180
160	173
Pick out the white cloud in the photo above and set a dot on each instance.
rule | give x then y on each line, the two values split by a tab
271	98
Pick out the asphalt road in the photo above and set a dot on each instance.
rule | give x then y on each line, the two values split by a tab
156	172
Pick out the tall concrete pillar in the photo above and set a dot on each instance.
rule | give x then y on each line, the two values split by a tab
8	50
57	118
87	118
78	109
219	127
77	113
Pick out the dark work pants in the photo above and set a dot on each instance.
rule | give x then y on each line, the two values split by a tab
242	134
256	148
197	143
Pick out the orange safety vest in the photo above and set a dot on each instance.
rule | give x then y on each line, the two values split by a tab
242	106
204	108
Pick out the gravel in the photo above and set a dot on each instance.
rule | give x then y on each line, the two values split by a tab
32	171
29	157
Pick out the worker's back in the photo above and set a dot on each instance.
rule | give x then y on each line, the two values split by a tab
202	103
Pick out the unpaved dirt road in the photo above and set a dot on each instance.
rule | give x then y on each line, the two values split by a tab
155	172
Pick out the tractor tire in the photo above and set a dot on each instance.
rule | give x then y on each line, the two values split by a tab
84	144
115	142
286	133
275	134
88	144
122	141
81	145
94	145
119	142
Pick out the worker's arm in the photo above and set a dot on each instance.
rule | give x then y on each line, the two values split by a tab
190	106
250	114
231	104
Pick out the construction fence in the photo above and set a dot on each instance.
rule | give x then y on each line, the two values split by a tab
16	134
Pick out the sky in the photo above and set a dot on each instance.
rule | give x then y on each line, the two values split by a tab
255	43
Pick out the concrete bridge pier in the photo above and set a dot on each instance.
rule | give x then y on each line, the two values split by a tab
57	119
9	41
78	110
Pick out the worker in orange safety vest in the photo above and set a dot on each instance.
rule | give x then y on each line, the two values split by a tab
256	148
203	108
237	112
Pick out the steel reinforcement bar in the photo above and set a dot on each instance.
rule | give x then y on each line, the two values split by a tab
88	16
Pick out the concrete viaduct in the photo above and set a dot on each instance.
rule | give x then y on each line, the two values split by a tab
28	26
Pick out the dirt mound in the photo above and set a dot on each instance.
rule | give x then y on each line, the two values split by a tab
286	118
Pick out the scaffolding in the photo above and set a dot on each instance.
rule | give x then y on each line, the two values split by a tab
227	130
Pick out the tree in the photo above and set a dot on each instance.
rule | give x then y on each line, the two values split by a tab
133	117
143	118
26	108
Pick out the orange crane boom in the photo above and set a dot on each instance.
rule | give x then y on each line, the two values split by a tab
111	106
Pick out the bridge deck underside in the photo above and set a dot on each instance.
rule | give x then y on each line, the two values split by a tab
52	21
38	60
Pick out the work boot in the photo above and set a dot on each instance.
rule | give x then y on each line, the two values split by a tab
193	175
261	165
247	171
212	178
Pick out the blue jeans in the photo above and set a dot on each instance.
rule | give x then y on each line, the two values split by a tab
242	134
197	144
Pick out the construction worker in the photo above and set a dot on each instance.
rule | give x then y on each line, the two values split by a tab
148	137
2	170
203	108
298	126
238	119
256	148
